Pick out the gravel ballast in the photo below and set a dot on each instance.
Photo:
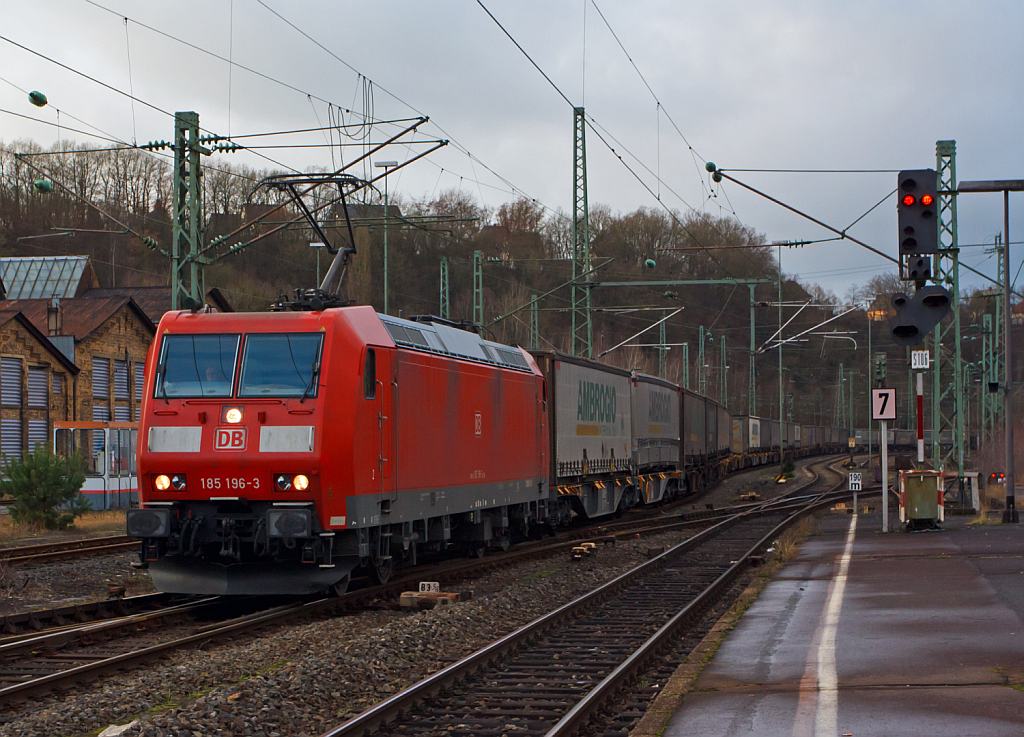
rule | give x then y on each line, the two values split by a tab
302	679
28	586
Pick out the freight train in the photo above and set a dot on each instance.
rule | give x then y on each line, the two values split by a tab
281	452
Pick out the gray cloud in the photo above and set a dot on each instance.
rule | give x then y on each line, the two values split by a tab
780	84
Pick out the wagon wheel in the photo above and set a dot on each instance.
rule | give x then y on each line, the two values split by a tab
381	569
340	587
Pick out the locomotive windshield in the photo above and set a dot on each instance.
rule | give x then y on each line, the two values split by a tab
280	365
197	366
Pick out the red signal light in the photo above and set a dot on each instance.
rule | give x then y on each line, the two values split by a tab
927	199
908	200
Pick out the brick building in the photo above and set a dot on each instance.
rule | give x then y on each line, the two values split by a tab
36	385
107	338
71	349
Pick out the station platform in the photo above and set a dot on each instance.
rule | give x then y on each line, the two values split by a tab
865	633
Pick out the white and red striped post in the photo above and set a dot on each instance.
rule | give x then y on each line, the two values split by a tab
920	417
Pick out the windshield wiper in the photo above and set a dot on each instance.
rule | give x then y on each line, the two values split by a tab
312	381
162	379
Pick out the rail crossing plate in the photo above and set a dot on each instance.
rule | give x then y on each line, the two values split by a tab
883	404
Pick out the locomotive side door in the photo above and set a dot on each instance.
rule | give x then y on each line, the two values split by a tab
386	385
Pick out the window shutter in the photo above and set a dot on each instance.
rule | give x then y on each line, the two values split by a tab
121	379
140	379
100	413
122	414
100	377
58	384
10	438
38	389
10	381
38	434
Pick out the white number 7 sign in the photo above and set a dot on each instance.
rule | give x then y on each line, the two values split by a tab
883	404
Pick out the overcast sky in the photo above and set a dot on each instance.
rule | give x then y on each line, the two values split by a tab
813	84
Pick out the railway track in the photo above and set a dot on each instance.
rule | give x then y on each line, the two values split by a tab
45	552
121	634
556	674
18	626
68	549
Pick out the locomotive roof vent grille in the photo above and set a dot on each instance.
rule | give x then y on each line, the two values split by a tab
467	345
405	334
510	357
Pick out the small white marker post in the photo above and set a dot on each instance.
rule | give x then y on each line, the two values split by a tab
854	480
883	409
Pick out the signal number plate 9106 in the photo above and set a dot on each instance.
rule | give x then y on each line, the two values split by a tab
230	483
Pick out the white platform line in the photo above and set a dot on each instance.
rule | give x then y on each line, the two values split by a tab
827	713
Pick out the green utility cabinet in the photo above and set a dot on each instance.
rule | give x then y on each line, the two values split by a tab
921	499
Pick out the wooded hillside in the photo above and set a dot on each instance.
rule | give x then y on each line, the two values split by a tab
525	248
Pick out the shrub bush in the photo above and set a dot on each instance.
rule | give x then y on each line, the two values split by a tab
45	489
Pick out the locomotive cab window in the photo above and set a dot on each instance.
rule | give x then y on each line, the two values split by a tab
370	374
281	365
197	366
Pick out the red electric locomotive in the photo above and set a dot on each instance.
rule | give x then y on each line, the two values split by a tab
281	451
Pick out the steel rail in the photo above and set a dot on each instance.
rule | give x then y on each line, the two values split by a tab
63	635
583	712
381	715
67	549
34	622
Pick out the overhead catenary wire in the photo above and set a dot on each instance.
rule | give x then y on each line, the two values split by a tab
131	84
124	145
119	91
835	230
594	126
660	107
453	140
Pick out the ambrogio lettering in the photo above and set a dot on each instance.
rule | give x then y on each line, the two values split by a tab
595	402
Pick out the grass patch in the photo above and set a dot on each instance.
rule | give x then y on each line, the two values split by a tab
110	520
984	519
107	522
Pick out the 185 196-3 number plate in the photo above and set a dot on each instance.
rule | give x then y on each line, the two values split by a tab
230	483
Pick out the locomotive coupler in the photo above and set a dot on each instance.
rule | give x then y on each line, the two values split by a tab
230	544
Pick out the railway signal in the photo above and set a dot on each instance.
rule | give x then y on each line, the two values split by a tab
917	316
917	191
880	367
916	207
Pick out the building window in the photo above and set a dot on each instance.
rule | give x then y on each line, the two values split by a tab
38	434
100	377
120	379
10	382
38	386
140	379
10	438
100	413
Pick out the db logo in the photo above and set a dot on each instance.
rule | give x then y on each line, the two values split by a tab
229	438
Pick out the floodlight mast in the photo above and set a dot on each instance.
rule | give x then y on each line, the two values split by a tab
1005	186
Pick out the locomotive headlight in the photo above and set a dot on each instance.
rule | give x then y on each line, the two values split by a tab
233	415
162	482
283	482
178	481
300	482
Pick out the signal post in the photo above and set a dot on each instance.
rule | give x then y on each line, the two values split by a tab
883	409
